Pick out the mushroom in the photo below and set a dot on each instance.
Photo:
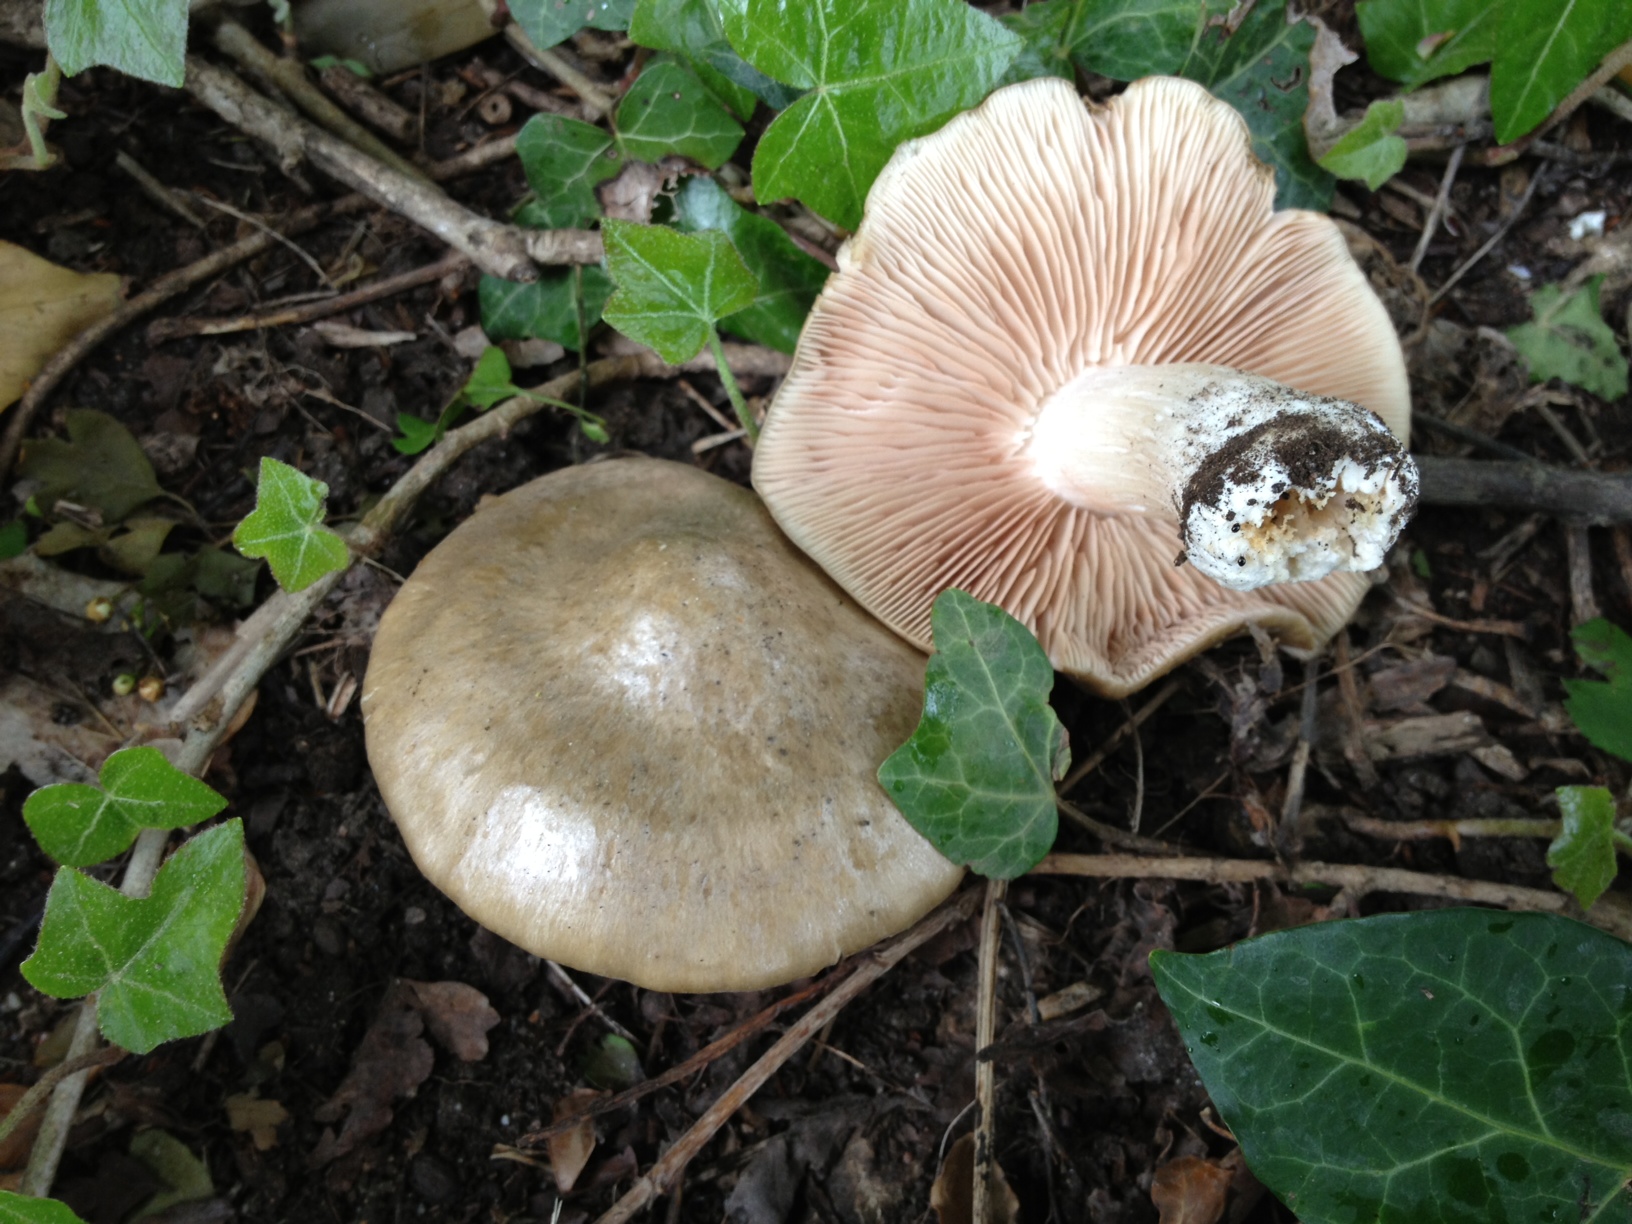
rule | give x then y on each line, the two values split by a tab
1062	345
623	723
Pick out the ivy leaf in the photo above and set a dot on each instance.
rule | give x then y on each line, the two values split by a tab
140	789
416	434
691	29
673	287
1263	71
490	381
1413	43
1121	39
1370	150
789	279
25	1209
878	72
155	960
1543	51
669	110
977	777
546	309
13	539
1570	340
141	38
99	465
1442	1067
224	577
1582	856
564	160
1603	711
286	527
549	22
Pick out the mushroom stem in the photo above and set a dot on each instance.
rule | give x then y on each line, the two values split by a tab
1269	484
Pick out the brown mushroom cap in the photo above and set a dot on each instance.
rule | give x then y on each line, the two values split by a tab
625	724
999	258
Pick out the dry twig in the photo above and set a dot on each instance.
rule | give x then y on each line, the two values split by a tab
985	1033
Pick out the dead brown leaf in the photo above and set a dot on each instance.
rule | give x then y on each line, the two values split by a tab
1190	1190
15	1147
953	1195
457	1015
570	1150
259	1118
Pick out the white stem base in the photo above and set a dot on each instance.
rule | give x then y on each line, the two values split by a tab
1268	484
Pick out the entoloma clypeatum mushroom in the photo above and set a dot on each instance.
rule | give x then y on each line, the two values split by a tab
625	724
1059	353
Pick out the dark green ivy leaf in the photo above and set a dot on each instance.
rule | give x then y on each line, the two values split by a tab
1443	1067
1582	856
141	38
789	279
548	22
25	1209
669	110
691	29
1370	150
1544	49
1413	42
546	309
977	777
564	160
100	465
154	960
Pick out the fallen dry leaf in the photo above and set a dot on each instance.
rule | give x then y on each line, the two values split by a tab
42	307
14	1148
953	1195
570	1150
259	1118
393	1060
457	1015
1190	1190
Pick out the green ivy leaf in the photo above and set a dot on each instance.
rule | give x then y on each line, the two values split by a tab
789	279
564	160
99	465
490	382
154	960
977	777
673	287
1603	711
224	577
1570	340
549	22
1121	39
1439	1068
1263	71
416	434
141	38
546	309
1544	50
286	527
878	72
669	110
613	1064
1582	856
80	825
1415	42
1370	150
691	29
22	1209
13	539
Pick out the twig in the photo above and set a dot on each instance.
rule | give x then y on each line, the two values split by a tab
501	250
985	1033
560	977
1128	726
172	329
1490	243
1113	836
368	103
1297	775
1578	553
1438	210
35	1096
288	77
1452	831
164	197
873	965
708	1054
1611	912
1471	436
596	100
1595	498
281	239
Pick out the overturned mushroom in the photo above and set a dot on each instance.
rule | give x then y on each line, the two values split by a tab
625	724
1062	348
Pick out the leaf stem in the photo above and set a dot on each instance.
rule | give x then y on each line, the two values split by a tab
750	427
1623	843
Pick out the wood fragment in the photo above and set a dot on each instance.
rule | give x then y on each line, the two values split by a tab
1597	498
987	1194
368	103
